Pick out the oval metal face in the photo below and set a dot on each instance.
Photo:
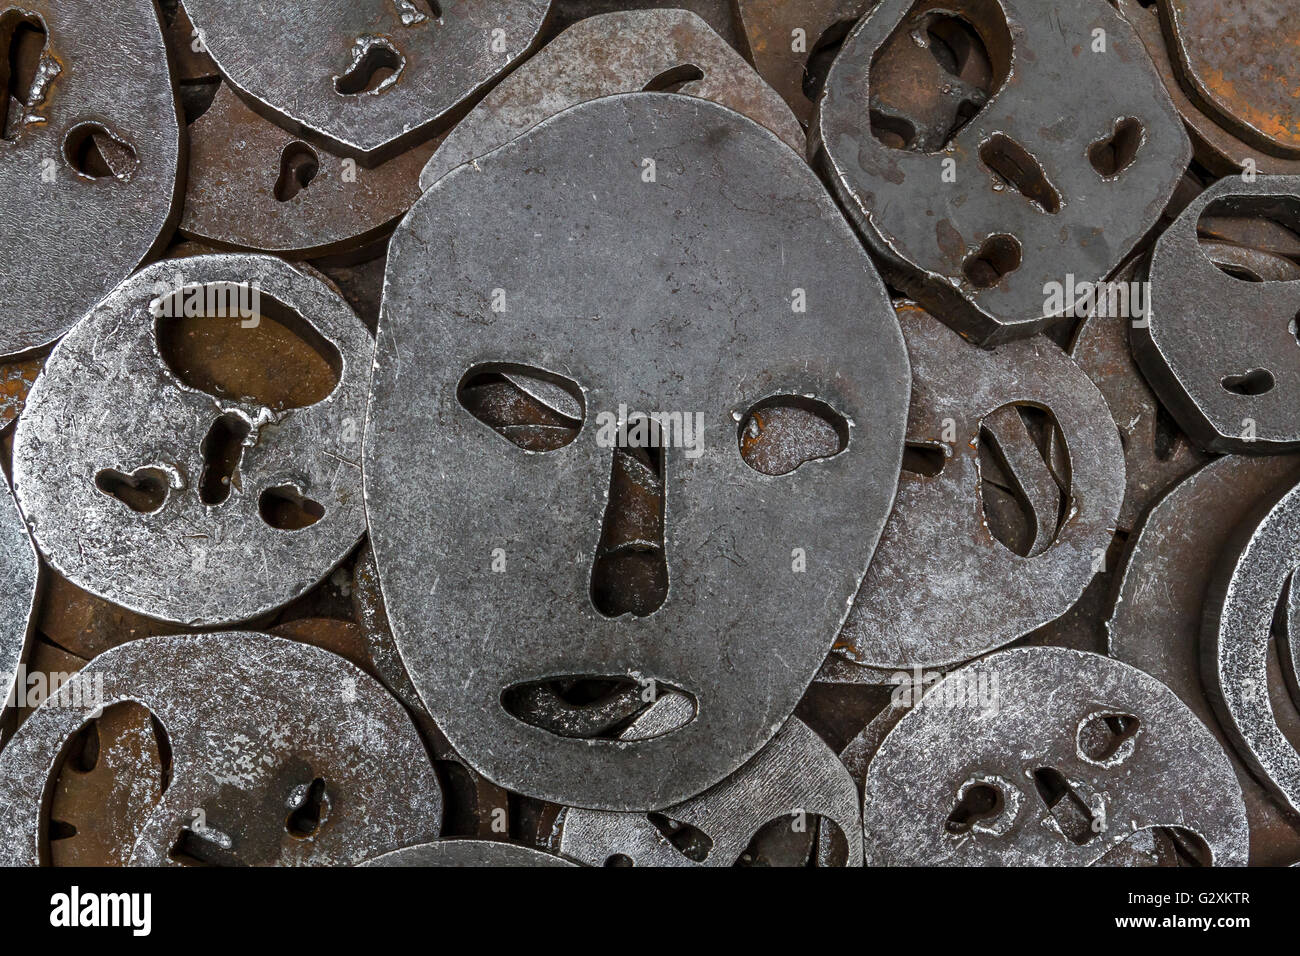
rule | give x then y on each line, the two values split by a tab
1156	618
19	570
1044	756
467	853
942	588
89	161
794	779
625	52
1220	350
1256	587
281	754
367	78
520	261
185	504
1022	177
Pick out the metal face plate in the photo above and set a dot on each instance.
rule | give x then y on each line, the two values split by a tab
1256	586
108	413
794	777
1218	350
1155	622
941	588
976	221
1055	799
366	78
286	196
258	728
467	853
615	53
89	164
733	222
19	570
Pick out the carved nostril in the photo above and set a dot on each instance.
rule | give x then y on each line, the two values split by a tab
630	573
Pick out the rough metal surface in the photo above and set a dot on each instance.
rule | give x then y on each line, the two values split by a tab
1155	621
1168	771
1254	588
1156	452
733	223
91	160
245	751
794	779
941	588
467	853
980	250
667	50
1219	350
1238	58
19	572
365	78
109	405
254	186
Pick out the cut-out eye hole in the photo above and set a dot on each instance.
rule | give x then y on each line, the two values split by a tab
95	153
235	342
822	55
936	72
977	801
286	509
1258	381
1013	165
222	449
783	432
143	490
310	807
194	848
1253	238
534	409
377	68
690	841
1107	739
1159	846
22	42
1025	480
671	81
594	708
1113	154
619	859
1076	819
795	840
924	458
299	165
996	258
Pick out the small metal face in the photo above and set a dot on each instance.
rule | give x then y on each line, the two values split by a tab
1219	346
625	52
1044	756
281	754
1155	620
515	269
1254	596
1018	439
365	78
970	145
282	195
89	158
18	578
793	780
467	853
167	495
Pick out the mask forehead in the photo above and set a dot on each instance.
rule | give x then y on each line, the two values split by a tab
701	323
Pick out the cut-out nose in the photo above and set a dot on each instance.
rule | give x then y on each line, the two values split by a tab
630	572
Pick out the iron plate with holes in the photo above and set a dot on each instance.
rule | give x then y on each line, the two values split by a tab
320	766
89	158
970	145
1220	347
186	504
560	258
1048	757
